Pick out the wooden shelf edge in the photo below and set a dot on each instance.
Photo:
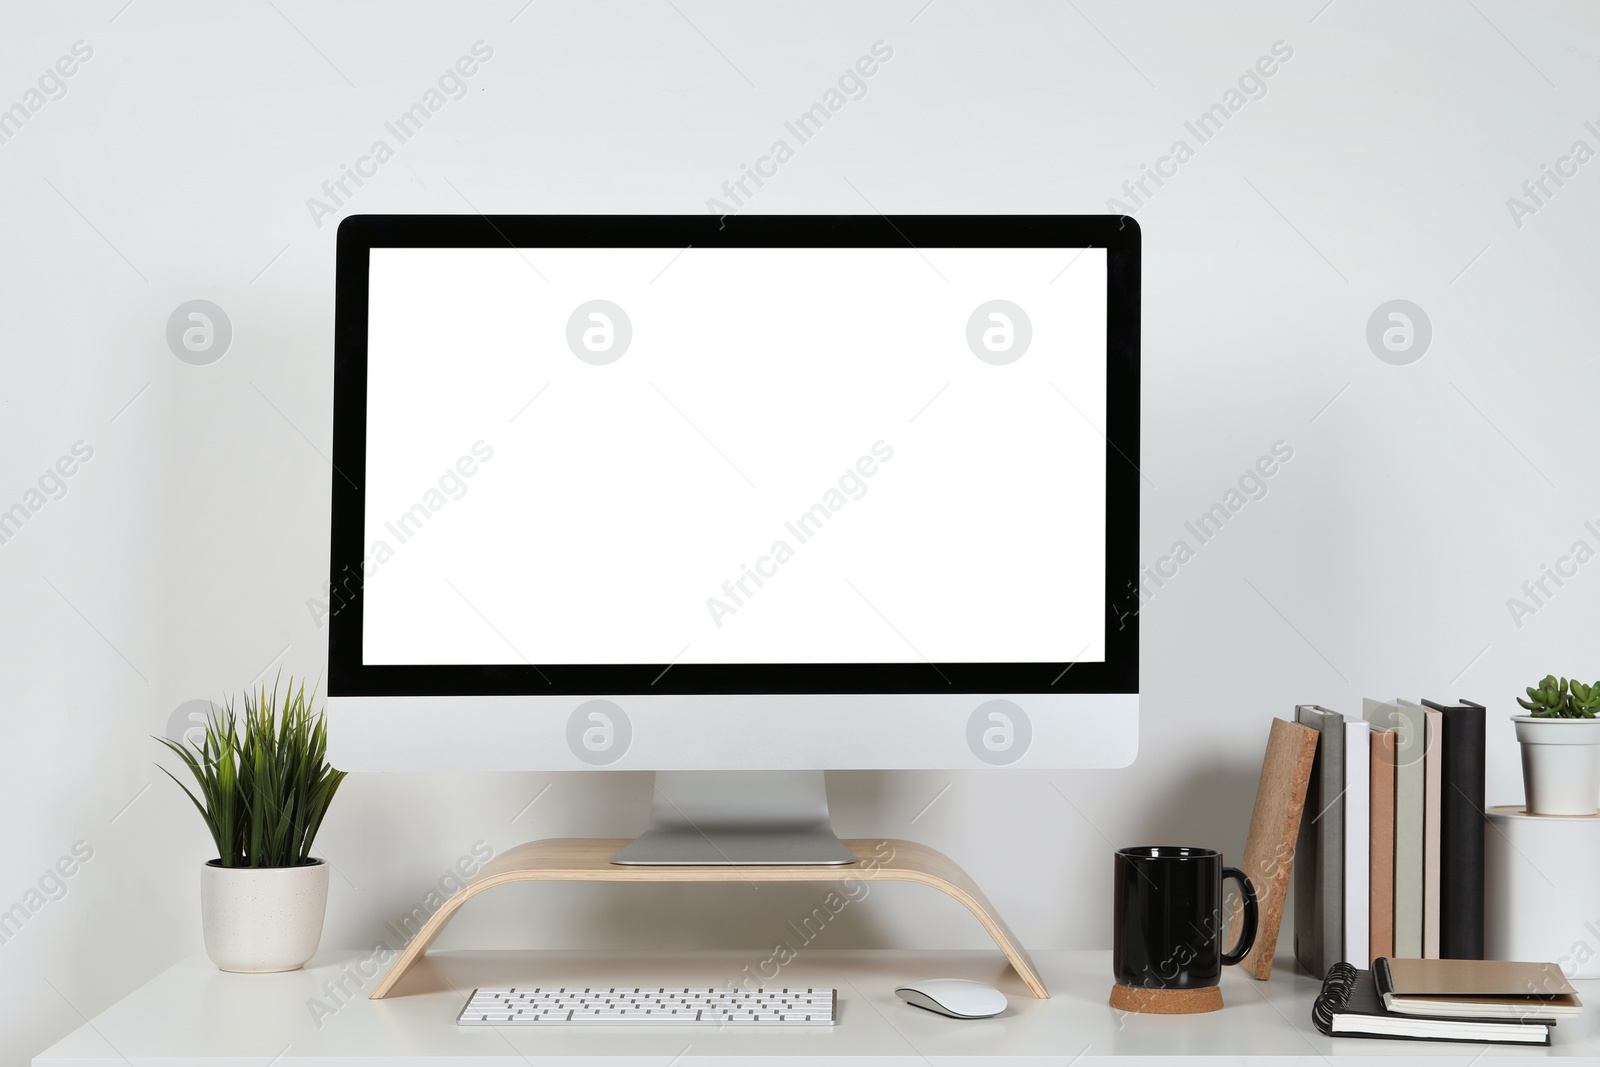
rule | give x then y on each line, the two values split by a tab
588	859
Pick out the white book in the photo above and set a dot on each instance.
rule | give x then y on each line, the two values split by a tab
1357	843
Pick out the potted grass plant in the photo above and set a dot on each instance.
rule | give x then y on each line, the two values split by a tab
1560	738
263	786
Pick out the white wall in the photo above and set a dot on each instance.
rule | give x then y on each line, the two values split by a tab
1377	166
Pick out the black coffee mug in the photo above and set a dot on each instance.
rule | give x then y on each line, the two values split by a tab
1168	926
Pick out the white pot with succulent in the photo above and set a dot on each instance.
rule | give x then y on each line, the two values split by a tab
1560	738
266	787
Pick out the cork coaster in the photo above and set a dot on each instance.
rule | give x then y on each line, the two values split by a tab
1166	1001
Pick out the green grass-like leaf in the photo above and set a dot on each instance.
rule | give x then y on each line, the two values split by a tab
262	781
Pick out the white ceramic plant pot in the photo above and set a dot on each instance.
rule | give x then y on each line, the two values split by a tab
260	919
1560	764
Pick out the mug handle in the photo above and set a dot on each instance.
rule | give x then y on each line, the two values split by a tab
1247	935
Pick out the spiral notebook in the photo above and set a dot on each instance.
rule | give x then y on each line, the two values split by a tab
1349	1006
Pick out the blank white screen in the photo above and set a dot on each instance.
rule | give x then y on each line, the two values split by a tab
561	512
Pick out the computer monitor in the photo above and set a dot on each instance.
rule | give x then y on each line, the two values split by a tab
748	495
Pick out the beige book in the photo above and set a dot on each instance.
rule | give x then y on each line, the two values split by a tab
1411	745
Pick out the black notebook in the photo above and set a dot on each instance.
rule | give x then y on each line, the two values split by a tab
1461	829
1349	1006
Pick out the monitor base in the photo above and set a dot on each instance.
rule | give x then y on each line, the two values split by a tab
589	860
737	819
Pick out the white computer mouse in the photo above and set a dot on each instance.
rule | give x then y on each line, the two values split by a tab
955	997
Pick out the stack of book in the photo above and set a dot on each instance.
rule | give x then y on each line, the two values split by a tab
1389	861
1446	1000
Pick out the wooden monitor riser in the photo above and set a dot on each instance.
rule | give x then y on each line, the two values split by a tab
588	859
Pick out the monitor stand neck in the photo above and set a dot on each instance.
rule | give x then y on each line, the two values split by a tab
737	819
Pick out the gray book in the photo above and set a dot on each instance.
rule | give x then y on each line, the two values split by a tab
1319	850
1432	831
1410	788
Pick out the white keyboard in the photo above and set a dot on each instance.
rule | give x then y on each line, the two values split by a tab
671	1007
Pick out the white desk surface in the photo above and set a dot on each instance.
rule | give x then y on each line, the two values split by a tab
194	1013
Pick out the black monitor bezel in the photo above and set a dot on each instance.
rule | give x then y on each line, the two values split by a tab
358	234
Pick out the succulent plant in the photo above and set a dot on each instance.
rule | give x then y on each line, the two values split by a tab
1586	698
1547	701
1557	698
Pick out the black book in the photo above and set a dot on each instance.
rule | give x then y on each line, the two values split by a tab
1461	828
1349	1006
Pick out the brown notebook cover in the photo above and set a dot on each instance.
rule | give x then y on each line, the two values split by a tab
1476	989
1274	824
1476	978
1381	935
